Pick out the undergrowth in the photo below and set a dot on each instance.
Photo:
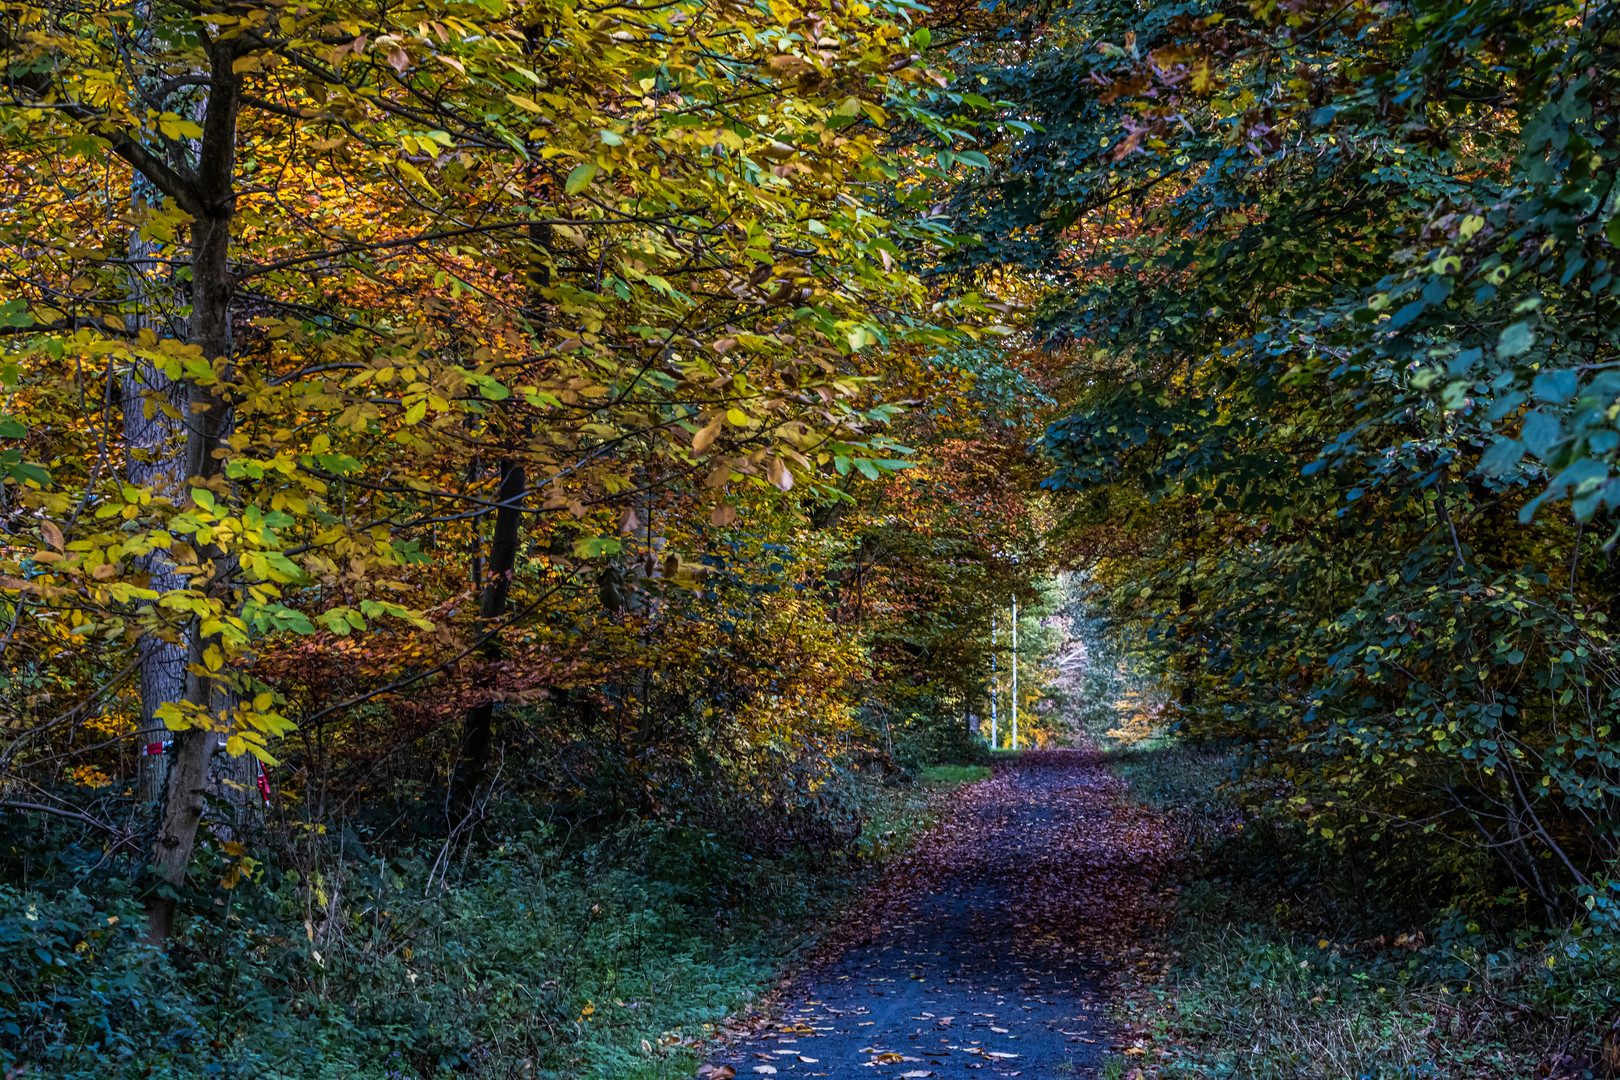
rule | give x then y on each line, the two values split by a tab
1289	959
551	955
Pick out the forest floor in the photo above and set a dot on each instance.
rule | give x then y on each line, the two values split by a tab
992	948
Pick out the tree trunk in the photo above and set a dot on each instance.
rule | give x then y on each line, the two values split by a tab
479	727
1186	599
207	421
233	779
152	406
153	410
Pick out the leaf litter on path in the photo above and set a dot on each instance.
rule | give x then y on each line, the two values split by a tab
995	943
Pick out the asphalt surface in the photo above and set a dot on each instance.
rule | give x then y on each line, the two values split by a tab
964	980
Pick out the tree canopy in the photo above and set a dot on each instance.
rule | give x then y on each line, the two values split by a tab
460	417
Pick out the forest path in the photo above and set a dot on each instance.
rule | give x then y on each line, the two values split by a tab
986	951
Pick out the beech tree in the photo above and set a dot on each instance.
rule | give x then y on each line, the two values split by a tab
296	289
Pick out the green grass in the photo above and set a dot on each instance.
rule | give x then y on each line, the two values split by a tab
953	774
900	814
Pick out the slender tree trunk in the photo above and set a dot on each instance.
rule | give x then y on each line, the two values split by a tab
1186	598
995	686
1015	673
479	727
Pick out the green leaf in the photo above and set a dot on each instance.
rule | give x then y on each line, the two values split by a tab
580	178
1541	432
1503	456
26	471
1515	340
589	547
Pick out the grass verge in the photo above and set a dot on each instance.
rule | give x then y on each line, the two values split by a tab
1283	963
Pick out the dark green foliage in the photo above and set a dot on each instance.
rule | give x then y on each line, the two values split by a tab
535	953
1335	283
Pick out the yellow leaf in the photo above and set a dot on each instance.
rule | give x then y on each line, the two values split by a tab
1203	80
172	716
415	174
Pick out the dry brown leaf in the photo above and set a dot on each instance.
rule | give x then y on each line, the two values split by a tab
707	435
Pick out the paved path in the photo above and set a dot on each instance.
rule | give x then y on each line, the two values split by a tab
987	952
